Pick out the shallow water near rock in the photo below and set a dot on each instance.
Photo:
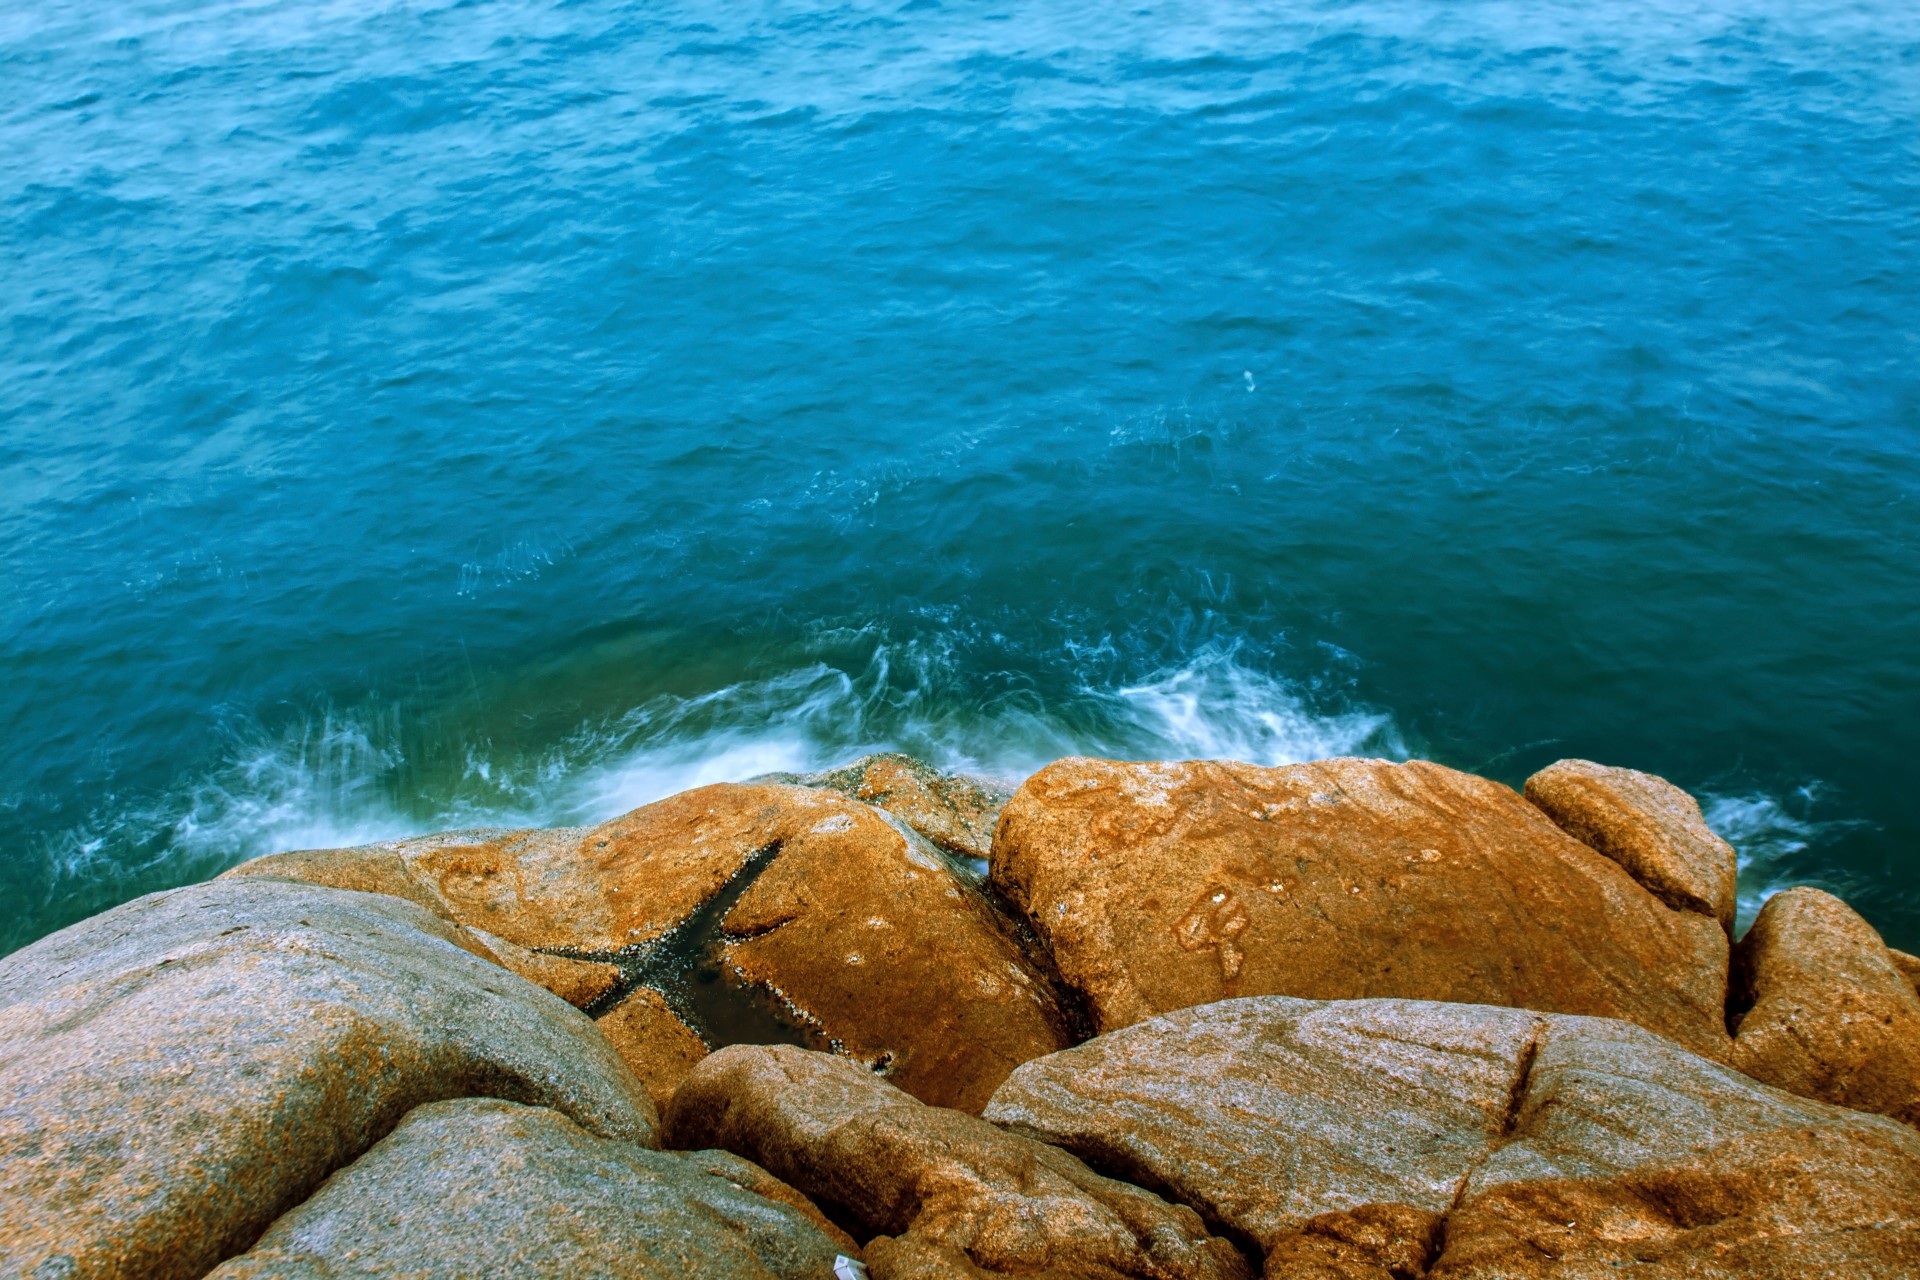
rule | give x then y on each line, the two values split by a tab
416	415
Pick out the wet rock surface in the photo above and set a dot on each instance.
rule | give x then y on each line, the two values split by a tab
1822	1007
1158	886
955	811
1646	824
1357	1137
177	1072
758	914
480	1187
936	1192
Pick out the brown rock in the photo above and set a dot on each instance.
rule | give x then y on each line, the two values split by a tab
480	1187
869	934
1909	966
947	1194
955	811
1647	825
748	1176
859	935
1159	886
653	1041
578	982
1823	1009
1395	1137
177	1072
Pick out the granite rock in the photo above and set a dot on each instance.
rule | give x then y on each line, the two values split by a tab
937	1191
1158	886
481	1187
955	811
843	921
1397	1137
1822	1008
1647	825
179	1071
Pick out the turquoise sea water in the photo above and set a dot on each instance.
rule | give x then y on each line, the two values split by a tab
419	414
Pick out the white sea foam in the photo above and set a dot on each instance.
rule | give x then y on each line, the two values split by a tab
345	777
1776	844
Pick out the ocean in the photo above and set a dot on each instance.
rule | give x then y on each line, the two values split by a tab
426	414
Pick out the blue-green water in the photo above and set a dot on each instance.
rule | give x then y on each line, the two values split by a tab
414	414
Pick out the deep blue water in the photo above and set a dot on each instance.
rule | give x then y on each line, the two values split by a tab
414	414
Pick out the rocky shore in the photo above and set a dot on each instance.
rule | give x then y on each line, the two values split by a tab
1350	1019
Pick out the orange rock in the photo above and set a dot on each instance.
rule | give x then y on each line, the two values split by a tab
1909	966
1376	1138
579	982
953	810
864	937
1823	1009
942	1193
653	1040
1158	886
1647	825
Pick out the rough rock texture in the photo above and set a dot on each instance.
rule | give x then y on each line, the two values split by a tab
1909	966
871	939
1647	825
177	1072
748	1176
579	982
654	1041
1823	1009
1158	886
1350	1138
954	810
944	1194
487	1188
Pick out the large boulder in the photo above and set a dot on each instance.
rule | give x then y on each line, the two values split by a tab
818	919
956	811
179	1071
1650	827
1397	1137
1823	1009
480	1187
941	1193
1158	886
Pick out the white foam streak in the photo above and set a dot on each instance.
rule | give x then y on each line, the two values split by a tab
1772	842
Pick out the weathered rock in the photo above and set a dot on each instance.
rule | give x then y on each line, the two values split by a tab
1647	825
1352	1138
955	811
578	982
869	940
748	1176
177	1072
1159	886
1823	1010
945	1193
479	1187
1909	966
654	1041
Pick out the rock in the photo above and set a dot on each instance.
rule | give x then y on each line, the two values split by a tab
748	1176
480	1187
827	920
179	1071
1823	1009
1909	966
953	810
653	1040
943	1192
1159	886
1407	1138
579	982
1647	825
